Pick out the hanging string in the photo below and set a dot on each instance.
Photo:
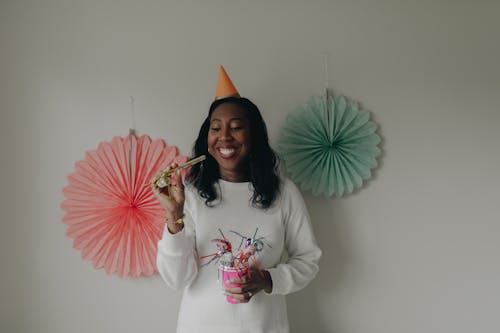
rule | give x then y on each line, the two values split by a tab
325	66
132	115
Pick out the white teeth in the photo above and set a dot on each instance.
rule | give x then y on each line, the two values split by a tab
226	152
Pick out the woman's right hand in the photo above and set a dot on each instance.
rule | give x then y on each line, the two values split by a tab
172	199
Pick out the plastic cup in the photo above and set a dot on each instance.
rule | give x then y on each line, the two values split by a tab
229	273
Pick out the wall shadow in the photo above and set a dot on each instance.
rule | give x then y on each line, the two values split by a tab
306	307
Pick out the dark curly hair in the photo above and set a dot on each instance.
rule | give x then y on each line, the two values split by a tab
262	160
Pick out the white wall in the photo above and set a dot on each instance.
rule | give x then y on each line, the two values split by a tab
416	250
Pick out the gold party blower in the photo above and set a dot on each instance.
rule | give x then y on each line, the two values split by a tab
163	180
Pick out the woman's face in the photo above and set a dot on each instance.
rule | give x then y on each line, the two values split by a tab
229	141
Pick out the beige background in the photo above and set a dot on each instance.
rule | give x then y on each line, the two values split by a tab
416	250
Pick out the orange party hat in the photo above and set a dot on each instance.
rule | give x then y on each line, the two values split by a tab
225	87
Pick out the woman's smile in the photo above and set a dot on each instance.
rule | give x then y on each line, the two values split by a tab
227	152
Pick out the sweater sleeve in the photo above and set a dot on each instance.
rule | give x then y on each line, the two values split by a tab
177	258
300	244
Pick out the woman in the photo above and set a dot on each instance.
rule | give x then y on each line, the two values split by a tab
237	193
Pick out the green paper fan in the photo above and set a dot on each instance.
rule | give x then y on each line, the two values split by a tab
329	150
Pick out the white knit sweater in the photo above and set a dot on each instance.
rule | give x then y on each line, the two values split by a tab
286	228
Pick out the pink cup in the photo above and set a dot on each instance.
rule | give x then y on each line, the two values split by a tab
229	273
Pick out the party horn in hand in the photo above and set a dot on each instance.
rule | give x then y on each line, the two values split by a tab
163	180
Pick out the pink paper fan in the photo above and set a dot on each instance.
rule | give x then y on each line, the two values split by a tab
111	212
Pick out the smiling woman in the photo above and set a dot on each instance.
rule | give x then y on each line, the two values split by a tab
235	192
234	137
229	141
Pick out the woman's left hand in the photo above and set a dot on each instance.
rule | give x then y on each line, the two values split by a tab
249	286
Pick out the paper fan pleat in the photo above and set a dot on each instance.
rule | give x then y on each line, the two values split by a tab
329	146
111	213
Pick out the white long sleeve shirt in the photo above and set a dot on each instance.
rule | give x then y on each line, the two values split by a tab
287	233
